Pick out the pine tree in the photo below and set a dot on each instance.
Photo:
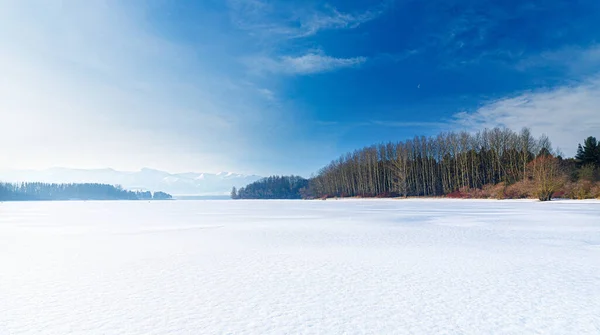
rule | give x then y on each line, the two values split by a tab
234	194
580	153
274	187
589	153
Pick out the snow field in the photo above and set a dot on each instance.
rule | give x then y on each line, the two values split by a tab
300	267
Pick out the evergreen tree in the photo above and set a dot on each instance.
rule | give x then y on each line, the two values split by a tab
589	153
161	196
144	195
234	193
274	187
89	191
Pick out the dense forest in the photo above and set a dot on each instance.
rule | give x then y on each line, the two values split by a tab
43	191
274	187
494	163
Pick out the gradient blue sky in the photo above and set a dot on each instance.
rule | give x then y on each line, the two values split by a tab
282	87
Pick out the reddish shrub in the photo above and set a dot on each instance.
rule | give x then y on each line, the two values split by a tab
468	193
497	191
582	189
387	195
457	195
519	190
596	190
476	193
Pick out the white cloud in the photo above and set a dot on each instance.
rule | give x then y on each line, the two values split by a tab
334	19
309	63
566	114
277	25
267	93
284	20
577	61
313	63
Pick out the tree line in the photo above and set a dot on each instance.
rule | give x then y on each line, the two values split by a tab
448	162
87	191
432	166
274	187
495	162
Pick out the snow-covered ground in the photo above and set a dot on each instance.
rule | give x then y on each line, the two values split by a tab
300	267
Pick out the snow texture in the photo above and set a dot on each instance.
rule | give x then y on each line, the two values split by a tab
300	267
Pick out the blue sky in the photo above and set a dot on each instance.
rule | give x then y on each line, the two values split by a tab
281	87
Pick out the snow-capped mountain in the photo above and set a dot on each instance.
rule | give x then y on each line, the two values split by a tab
190	183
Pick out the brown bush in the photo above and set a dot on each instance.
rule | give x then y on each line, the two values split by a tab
477	193
457	195
387	195
579	190
596	191
471	193
498	191
528	189
582	190
548	175
491	191
520	190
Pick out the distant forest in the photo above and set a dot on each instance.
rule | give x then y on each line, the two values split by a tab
275	187
496	163
43	191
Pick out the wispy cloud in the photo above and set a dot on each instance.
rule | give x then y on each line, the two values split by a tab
407	124
267	93
463	33
566	114
309	63
313	63
575	60
89	85
279	27
283	20
332	18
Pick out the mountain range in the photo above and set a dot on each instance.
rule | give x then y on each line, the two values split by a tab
177	184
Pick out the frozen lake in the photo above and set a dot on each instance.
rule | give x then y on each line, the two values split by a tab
300	267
